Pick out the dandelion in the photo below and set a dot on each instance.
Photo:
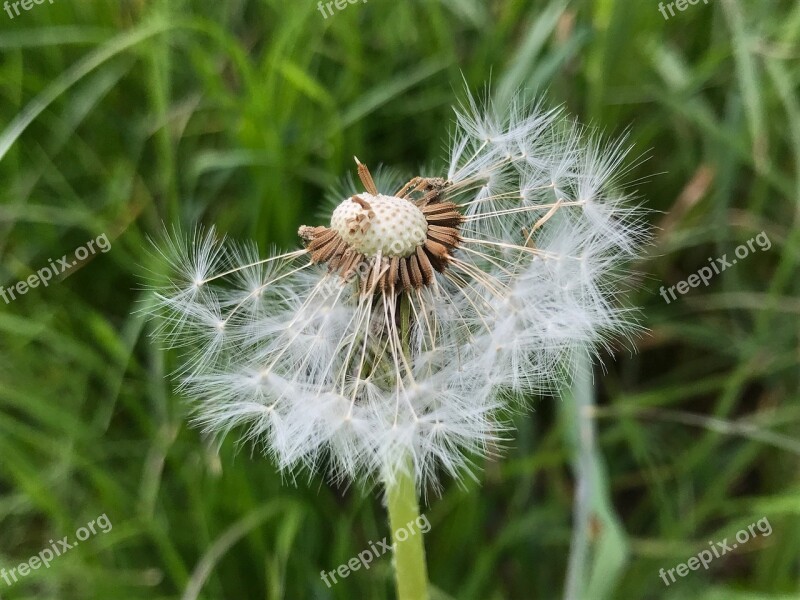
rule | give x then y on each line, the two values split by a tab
390	345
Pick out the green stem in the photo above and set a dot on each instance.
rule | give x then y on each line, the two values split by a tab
597	558
411	574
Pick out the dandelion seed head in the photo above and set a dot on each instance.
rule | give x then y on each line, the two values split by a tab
416	318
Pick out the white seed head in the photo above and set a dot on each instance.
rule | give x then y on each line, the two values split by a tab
492	285
391	226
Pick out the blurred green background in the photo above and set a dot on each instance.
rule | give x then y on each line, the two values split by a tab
121	116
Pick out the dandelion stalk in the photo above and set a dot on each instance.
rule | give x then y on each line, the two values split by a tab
581	435
599	548
411	574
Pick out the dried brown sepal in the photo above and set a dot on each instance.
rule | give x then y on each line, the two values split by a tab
405	279
350	260
452	220
439	207
308	233
394	271
408	188
321	239
373	280
425	266
324	247
363	203
431	189
384	284
414	271
366	178
446	236
438	250
337	253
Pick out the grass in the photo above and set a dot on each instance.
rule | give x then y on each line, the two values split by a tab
119	117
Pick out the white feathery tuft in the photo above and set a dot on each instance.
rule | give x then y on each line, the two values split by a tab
316	372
